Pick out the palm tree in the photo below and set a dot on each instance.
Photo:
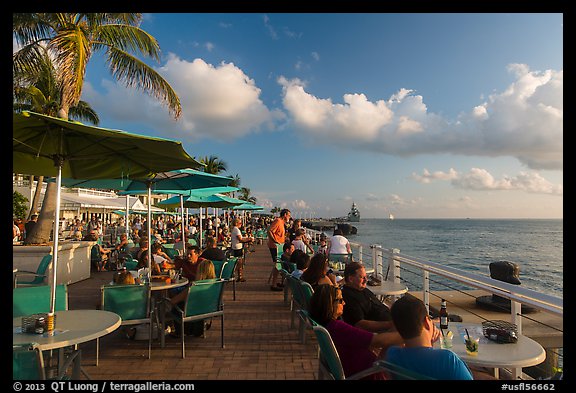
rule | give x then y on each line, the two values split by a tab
213	165
39	90
71	39
235	183
245	195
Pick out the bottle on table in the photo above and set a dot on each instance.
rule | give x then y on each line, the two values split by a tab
443	315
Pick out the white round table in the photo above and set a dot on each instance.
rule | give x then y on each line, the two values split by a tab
72	327
388	288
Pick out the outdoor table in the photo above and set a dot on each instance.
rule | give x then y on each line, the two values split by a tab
161	288
524	353
388	288
72	327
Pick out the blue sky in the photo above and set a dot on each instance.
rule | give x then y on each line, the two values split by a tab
421	115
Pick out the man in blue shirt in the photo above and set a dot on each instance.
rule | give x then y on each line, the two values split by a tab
414	325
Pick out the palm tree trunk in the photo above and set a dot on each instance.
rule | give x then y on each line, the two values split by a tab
41	232
36	198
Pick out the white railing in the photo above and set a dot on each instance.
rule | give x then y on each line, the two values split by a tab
386	263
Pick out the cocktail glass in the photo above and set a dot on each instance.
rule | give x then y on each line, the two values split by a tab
472	344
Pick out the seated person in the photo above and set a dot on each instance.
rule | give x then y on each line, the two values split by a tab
418	331
205	270
100	260
317	272
301	242
363	309
322	245
287	250
143	249
124	277
189	266
302	260
357	348
77	236
160	257
212	252
143	263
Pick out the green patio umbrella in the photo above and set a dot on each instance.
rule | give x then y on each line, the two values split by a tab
48	146
178	181
199	199
247	206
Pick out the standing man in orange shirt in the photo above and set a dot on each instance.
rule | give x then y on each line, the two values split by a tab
277	235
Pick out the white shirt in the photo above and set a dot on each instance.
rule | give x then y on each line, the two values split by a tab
236	244
338	245
299	245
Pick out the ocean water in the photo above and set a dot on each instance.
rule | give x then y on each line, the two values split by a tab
472	244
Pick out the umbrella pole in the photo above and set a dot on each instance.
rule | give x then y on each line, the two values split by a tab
200	229
55	247
149	225
183	230
126	216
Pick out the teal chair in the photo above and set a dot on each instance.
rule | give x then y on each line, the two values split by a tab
96	258
284	274
204	301
28	364
301	294
227	273
39	276
132	303
34	300
171	252
342	258
130	264
218	265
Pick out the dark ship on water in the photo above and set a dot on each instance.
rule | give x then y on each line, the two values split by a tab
354	214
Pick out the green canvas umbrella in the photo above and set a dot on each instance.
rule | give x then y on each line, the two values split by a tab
178	181
48	146
199	199
248	206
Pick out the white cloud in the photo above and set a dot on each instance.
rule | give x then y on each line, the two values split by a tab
480	179
219	102
299	204
524	121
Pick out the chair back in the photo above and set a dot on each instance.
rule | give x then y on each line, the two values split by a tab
41	272
130	264
34	300
204	297
301	292
27	362
228	269
131	302
218	267
329	359
396	372
279	251
342	258
95	254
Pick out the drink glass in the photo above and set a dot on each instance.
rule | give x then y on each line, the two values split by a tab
472	346
446	341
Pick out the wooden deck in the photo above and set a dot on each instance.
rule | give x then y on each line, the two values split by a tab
259	343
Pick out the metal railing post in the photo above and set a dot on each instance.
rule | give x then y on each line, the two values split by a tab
426	290
395	264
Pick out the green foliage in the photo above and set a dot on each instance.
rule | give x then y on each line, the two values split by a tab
19	207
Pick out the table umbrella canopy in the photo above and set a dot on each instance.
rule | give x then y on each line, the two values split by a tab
47	146
40	144
177	181
247	206
197	201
